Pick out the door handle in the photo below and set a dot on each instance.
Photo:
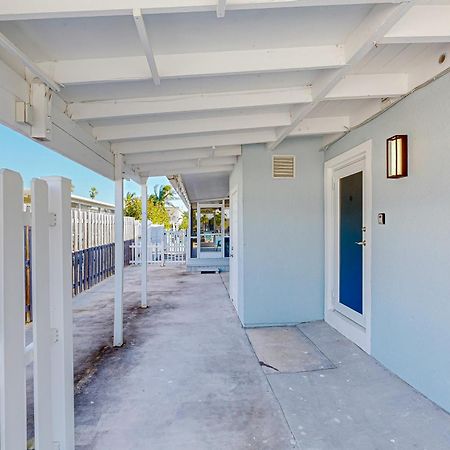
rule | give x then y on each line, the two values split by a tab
362	243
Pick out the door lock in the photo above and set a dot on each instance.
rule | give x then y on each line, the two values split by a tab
362	243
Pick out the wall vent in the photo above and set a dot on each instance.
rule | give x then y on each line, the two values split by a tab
283	166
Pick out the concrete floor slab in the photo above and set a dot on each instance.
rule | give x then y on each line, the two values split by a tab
186	377
358	405
286	349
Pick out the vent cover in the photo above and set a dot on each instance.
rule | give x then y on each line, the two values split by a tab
283	166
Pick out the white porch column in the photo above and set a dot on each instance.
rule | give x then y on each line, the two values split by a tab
119	253
60	296
144	303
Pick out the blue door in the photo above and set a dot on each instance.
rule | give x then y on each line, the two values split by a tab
351	241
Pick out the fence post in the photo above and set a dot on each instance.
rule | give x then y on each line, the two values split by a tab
61	313
144	303
12	325
43	435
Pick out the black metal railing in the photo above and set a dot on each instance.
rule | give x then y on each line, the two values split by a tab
89	267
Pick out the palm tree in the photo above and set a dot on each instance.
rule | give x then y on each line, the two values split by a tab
93	192
162	195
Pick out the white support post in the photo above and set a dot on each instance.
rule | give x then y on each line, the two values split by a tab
60	296
119	251
198	229
222	224
43	435
144	302
12	318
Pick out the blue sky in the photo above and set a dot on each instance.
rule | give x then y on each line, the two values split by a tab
33	160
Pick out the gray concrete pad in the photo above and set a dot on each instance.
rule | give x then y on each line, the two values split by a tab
186	377
286	349
358	405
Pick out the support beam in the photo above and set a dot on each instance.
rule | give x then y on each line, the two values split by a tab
322	125
27	62
196	141
118	252
56	9
144	248
421	24
381	85
189	103
357	45
134	68
183	155
221	4
145	41
192	170
225	122
175	166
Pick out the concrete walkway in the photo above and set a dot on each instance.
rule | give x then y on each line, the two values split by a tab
188	378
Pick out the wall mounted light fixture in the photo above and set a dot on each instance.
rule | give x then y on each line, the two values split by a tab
397	156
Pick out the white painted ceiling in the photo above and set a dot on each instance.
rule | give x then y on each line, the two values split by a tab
265	71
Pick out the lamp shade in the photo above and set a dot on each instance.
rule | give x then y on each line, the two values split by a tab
397	156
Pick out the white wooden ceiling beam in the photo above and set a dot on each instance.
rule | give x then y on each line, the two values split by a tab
145	41
357	45
421	24
155	172
170	166
195	141
189	103
6	44
221	4
225	122
133	68
381	85
58	9
352	86
184	154
316	126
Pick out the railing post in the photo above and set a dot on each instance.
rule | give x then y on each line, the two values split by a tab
60	296
42	376
144	250
12	325
119	251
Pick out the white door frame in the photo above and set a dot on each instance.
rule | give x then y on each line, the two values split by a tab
358	331
234	249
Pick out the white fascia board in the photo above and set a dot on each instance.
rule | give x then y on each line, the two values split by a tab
225	122
184	154
421	24
189	103
58	9
186	142
358	44
322	125
190	170
134	68
370	86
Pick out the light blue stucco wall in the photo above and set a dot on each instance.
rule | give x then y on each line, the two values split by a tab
411	253
282	244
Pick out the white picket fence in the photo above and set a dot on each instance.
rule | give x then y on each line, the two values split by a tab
51	352
164	247
93	228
